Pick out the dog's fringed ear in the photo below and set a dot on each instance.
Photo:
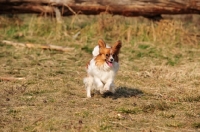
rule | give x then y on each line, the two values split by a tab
117	46
101	43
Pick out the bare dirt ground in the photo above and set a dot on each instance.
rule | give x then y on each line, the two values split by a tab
158	84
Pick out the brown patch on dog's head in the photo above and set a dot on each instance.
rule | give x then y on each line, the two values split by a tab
108	55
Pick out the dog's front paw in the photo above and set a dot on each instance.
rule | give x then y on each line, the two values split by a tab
112	90
106	88
102	91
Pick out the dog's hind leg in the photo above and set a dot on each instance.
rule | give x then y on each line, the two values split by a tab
88	85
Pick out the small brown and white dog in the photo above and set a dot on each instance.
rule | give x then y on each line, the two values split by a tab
102	68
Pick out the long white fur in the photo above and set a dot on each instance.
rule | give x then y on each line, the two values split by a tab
100	78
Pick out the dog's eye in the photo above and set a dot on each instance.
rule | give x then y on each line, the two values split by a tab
107	55
113	55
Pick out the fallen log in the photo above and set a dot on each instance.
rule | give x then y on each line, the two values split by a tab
93	7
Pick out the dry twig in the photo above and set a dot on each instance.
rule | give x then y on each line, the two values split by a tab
11	78
30	45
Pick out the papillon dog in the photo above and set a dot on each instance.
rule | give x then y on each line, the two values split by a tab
101	70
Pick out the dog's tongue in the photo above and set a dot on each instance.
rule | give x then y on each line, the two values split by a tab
110	64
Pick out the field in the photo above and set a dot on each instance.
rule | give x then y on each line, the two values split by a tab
158	84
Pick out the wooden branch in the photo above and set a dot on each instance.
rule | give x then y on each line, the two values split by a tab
10	78
93	7
29	45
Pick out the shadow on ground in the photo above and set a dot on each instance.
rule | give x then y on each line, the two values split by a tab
123	92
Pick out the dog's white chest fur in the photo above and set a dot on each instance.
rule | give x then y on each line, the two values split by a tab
104	72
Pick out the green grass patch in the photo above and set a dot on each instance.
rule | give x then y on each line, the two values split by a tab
196	125
129	110
175	124
87	49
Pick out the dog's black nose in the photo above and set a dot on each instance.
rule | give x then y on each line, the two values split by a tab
111	60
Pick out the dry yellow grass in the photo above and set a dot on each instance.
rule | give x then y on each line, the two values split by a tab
157	84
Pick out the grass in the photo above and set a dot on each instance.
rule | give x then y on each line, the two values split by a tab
157	84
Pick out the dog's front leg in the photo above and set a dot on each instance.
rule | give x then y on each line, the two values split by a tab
112	87
107	86
99	85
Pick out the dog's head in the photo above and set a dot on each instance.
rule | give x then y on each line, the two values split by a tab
108	55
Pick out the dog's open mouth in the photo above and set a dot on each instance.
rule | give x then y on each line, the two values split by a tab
109	63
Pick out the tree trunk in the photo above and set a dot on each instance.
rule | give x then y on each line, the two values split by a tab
93	7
